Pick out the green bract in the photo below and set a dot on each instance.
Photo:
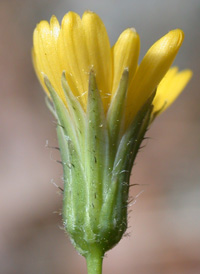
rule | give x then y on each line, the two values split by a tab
97	155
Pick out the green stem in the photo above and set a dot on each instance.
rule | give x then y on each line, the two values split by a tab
94	261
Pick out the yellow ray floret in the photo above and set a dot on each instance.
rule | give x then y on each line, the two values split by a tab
152	69
170	87
125	55
82	44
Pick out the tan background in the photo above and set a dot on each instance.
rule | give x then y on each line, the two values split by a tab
165	221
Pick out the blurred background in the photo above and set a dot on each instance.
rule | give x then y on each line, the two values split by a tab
164	225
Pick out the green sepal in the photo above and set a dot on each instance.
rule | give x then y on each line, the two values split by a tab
63	116
115	118
130	142
96	149
77	114
74	195
50	106
111	225
116	201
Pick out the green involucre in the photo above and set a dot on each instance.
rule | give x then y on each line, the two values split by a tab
97	156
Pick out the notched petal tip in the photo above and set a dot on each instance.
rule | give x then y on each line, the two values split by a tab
42	26
166	48
176	38
90	18
177	34
129	33
54	21
170	43
90	14
132	30
70	18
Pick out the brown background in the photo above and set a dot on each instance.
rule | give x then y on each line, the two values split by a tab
165	221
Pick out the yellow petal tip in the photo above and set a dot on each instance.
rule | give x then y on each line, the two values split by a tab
177	35
132	30
89	12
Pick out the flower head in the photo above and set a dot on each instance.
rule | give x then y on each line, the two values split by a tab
103	102
79	45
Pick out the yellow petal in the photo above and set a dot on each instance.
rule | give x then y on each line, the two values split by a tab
125	55
170	87
74	56
99	52
45	41
152	69
163	88
38	72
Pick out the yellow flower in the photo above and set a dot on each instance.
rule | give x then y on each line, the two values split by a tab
103	102
82	44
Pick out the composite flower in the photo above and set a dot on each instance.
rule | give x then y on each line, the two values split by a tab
104	102
81	44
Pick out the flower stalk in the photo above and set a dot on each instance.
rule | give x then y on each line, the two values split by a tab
94	261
